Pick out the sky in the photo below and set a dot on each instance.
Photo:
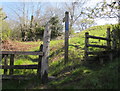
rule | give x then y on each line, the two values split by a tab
9	4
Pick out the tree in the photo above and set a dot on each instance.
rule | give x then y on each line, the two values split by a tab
105	10
26	19
31	16
56	27
5	30
116	34
85	23
39	31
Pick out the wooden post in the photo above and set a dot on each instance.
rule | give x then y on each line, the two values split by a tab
11	63
86	47
108	44
108	41
44	63
5	64
66	36
114	41
39	62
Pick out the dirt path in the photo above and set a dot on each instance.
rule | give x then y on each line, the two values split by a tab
9	45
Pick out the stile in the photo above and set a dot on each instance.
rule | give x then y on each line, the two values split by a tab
108	47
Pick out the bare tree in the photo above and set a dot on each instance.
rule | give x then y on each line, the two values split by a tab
51	10
105	10
26	16
76	10
85	23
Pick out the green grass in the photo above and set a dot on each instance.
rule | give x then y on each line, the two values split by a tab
80	77
75	74
106	77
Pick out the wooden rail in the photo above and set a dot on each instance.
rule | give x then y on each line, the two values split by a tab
95	37
10	68
101	52
19	67
22	52
11	63
107	39
17	77
12	54
98	46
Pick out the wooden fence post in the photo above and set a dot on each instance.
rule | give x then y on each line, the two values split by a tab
114	40
11	63
109	44
44	63
108	41
86	47
5	63
66	36
39	62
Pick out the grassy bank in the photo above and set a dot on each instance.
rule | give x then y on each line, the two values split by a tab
75	74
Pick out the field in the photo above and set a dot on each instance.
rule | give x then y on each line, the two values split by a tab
75	74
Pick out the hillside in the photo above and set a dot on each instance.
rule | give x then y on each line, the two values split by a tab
75	74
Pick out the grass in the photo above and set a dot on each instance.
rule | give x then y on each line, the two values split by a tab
75	74
80	77
106	77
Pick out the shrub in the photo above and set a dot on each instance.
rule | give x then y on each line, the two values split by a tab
6	31
116	31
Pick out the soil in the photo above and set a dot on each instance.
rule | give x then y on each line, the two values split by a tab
9	45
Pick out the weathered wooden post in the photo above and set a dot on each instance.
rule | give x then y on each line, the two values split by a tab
109	44
5	64
44	63
108	37
86	47
39	62
66	19
11	63
113	40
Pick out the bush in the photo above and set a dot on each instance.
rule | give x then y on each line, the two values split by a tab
116	31
56	27
6	31
39	31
